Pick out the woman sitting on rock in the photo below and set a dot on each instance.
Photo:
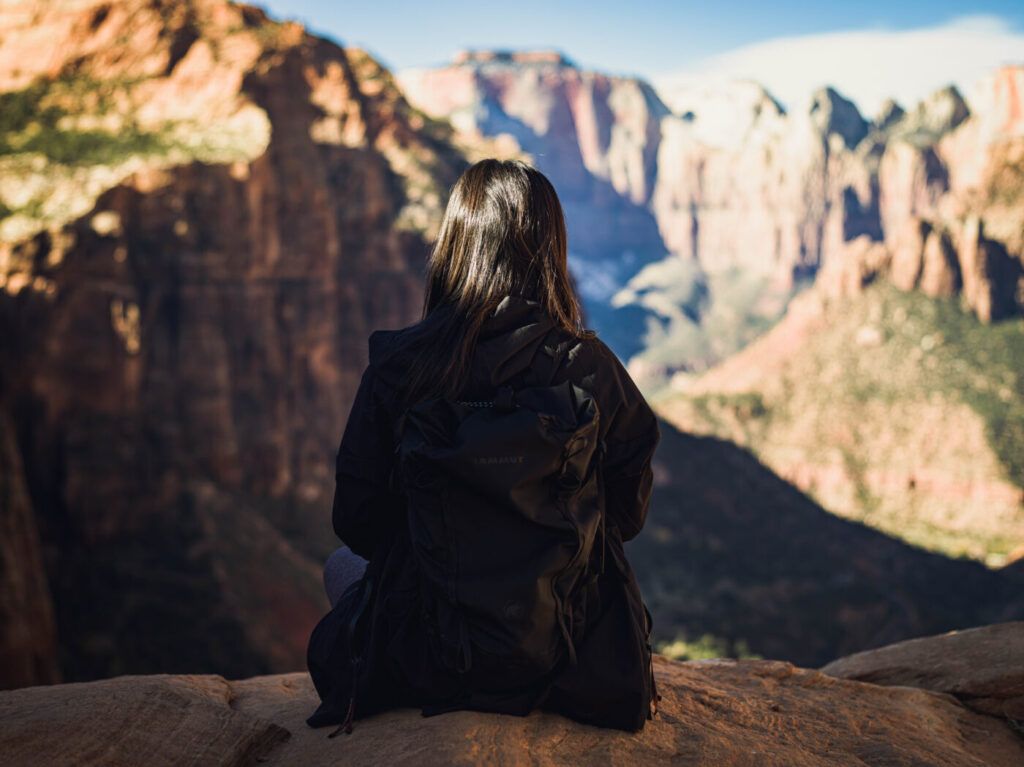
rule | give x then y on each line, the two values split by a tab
496	457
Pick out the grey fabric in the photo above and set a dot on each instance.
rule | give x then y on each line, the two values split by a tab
343	568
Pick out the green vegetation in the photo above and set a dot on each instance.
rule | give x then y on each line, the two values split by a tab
38	119
900	411
65	137
706	647
983	364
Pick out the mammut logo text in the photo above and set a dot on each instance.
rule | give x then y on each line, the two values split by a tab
490	459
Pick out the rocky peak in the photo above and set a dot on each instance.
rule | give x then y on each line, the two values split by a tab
510	57
888	114
998	103
831	113
724	114
939	114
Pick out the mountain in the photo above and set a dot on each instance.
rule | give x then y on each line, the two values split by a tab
205	213
744	203
891	391
891	408
596	137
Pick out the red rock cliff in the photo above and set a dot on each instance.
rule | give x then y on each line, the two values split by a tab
189	307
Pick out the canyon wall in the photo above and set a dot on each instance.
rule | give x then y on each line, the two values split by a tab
187	320
745	202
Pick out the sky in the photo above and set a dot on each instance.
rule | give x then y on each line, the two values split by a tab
868	50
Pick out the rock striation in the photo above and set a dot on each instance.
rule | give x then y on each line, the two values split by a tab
950	199
715	712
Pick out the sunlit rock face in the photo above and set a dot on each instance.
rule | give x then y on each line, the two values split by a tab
743	201
596	137
204	215
880	393
950	191
743	184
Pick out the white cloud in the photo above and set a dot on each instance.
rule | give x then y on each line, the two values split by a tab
868	66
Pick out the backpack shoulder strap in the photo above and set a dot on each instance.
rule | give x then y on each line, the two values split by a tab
552	358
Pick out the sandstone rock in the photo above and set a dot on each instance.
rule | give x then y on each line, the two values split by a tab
888	114
28	640
831	113
131	720
942	112
908	254
732	181
911	182
718	712
983	667
858	263
940	271
990	274
998	96
972	268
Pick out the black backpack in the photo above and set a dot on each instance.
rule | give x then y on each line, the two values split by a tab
505	510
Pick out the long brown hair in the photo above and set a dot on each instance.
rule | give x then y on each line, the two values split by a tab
503	233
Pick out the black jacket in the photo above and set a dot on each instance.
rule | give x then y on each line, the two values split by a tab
613	675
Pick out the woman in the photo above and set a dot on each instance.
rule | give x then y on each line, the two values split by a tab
499	310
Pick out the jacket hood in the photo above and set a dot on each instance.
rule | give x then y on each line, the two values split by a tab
508	342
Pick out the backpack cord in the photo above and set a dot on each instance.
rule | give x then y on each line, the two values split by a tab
568	638
601	449
355	659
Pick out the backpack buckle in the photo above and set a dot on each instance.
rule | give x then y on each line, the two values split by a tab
505	399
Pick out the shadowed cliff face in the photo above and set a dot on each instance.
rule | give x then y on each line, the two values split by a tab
733	551
186	351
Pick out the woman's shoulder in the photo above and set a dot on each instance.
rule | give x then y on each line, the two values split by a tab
589	355
593	365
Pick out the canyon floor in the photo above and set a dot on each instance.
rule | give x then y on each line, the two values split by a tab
951	699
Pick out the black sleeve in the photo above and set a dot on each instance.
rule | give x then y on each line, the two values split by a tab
365	510
631	438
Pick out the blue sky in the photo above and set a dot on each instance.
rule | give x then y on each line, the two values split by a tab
657	38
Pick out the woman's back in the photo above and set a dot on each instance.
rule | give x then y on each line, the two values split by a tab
499	311
518	346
